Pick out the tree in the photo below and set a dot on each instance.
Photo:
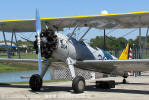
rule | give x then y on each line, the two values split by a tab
112	43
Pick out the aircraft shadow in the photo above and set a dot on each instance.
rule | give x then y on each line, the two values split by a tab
92	88
133	83
13	86
88	88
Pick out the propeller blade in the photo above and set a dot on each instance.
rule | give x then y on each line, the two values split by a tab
38	23
38	31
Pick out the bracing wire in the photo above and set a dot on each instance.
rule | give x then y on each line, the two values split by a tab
122	35
129	33
25	37
111	31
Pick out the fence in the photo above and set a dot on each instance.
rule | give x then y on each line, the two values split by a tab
64	74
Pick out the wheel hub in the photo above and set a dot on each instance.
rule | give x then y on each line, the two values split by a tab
81	85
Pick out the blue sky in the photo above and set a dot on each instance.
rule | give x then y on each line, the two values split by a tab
20	9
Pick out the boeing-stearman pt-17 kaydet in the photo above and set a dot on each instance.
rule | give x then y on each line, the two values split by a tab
75	53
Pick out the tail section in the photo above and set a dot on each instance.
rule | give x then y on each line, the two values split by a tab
125	53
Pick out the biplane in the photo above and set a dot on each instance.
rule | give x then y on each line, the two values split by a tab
50	42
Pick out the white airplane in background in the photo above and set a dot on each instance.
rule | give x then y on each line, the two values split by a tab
75	53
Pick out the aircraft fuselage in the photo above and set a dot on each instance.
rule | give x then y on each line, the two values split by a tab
78	50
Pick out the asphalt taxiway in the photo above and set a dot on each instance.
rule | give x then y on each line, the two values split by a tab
136	89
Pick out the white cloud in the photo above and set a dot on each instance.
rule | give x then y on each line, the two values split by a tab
104	12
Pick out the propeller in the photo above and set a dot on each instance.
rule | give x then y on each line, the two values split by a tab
38	31
45	43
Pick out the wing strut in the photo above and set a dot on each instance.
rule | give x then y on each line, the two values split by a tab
145	44
72	33
11	39
85	33
5	42
18	50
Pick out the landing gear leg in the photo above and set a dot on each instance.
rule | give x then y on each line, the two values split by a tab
124	81
125	76
78	82
70	64
35	82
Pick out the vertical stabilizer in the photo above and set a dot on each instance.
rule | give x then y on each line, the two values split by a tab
125	53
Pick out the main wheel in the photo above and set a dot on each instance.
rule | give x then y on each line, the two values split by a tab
78	84
35	82
125	75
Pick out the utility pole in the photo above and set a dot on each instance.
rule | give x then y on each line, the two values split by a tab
140	48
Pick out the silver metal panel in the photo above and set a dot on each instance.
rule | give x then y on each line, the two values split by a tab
126	20
114	66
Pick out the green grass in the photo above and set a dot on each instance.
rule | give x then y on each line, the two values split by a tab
13	67
23	56
45	81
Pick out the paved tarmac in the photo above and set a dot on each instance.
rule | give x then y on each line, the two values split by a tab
136	89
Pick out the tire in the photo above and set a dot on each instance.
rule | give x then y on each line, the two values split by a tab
35	82
78	84
125	75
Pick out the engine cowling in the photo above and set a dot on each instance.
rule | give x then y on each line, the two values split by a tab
48	43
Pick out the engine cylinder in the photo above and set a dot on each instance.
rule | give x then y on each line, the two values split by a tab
48	43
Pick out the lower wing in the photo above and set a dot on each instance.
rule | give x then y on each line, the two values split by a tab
19	60
114	66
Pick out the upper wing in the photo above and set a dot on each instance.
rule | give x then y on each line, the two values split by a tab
120	20
110	66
